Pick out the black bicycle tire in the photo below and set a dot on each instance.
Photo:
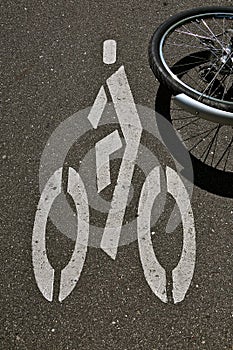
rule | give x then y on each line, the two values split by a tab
157	66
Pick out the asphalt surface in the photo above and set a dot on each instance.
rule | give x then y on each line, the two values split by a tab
51	68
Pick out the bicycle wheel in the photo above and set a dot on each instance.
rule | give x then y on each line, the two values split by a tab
210	144
205	37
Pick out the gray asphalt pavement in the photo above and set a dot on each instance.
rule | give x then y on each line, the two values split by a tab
51	68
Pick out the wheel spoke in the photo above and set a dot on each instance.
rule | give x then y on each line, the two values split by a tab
213	35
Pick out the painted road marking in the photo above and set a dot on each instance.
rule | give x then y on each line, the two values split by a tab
44	272
104	148
109	51
132	129
72	271
183	273
154	273
98	108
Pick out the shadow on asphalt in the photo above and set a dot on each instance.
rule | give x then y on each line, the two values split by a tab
206	177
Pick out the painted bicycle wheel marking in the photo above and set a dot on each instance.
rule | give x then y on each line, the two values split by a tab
154	273
44	273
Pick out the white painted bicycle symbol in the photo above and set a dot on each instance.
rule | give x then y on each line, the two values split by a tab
152	192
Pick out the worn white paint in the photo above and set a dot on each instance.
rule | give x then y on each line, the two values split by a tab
154	273
98	108
109	51
72	271
131	127
44	273
104	148
183	273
